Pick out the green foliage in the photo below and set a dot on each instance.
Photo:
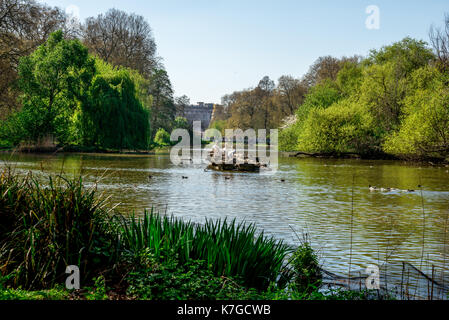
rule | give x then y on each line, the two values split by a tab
383	93
162	137
54	79
98	291
181	123
307	270
79	100
114	117
163	107
229	249
169	279
20	294
425	126
321	96
349	79
394	102
44	229
344	127
407	55
288	137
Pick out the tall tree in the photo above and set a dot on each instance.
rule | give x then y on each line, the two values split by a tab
24	25
326	68
439	38
53	80
122	39
163	109
291	93
264	92
181	103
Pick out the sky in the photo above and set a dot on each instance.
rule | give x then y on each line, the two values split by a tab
215	47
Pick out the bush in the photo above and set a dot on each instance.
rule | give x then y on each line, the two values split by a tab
424	130
44	229
288	137
162	137
169	279
344	127
229	249
320	97
307	270
181	123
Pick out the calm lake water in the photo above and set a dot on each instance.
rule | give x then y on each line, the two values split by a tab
315	198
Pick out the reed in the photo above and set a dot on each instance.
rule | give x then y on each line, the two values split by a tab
230	249
46	228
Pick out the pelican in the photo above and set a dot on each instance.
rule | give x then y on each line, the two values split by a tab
371	188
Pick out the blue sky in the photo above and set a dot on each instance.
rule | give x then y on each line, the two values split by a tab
214	47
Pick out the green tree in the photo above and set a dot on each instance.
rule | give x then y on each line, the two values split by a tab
321	96
424	131
386	78
115	115
162	137
346	126
163	109
54	80
407	55
181	123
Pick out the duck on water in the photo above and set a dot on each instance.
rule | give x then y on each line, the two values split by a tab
373	189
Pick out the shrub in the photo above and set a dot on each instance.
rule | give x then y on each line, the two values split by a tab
320	97
424	130
228	249
162	137
307	270
344	127
288	137
169	279
46	228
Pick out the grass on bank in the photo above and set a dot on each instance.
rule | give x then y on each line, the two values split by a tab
44	228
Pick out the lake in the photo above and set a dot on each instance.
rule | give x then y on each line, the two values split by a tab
327	199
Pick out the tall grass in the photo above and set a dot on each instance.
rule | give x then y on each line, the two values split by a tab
230	249
45	228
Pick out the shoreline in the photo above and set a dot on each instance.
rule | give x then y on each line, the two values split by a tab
287	154
356	156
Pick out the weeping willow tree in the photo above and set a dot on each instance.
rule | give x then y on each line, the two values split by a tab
116	115
78	100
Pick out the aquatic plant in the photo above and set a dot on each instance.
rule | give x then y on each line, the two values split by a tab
45	228
229	249
307	272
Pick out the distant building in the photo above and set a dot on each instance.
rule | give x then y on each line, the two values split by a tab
199	112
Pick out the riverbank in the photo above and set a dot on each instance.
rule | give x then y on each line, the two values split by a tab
51	148
151	257
357	156
129	190
166	149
